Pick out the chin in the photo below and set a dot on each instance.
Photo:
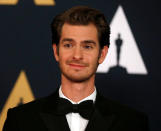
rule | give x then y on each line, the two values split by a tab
78	79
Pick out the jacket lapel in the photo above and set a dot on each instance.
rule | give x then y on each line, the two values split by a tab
103	118
49	116
55	123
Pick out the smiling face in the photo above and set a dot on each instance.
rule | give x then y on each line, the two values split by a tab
79	53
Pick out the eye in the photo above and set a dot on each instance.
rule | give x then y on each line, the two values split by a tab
88	46
68	45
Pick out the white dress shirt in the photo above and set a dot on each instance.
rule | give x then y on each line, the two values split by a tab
75	121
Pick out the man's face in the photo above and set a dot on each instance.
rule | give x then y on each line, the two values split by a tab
79	53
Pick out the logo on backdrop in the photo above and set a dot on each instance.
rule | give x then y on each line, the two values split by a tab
123	55
20	94
37	2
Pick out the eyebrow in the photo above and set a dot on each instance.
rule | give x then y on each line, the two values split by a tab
67	39
89	41
83	42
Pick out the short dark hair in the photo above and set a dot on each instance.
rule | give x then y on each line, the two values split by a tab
81	15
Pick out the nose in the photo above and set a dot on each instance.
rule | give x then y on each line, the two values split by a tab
77	54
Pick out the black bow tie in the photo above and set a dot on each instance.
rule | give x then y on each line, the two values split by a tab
85	108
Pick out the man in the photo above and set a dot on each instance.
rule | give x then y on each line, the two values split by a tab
80	43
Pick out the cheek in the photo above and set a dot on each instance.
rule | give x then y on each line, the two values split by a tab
64	58
94	60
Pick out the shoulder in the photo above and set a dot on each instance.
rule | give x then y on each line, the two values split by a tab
28	115
34	106
125	117
121	110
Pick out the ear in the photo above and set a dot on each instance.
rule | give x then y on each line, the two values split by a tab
103	54
55	50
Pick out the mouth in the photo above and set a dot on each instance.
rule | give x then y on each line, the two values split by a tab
77	66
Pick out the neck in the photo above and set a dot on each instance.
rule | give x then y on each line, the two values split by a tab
77	91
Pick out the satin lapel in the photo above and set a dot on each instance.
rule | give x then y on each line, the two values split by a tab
55	123
103	118
52	121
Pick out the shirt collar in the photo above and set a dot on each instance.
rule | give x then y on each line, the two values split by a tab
90	97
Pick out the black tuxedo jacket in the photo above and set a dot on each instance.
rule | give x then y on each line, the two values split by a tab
40	115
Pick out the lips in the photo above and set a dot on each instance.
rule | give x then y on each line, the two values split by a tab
77	65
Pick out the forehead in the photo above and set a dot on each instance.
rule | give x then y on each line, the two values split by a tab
79	32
